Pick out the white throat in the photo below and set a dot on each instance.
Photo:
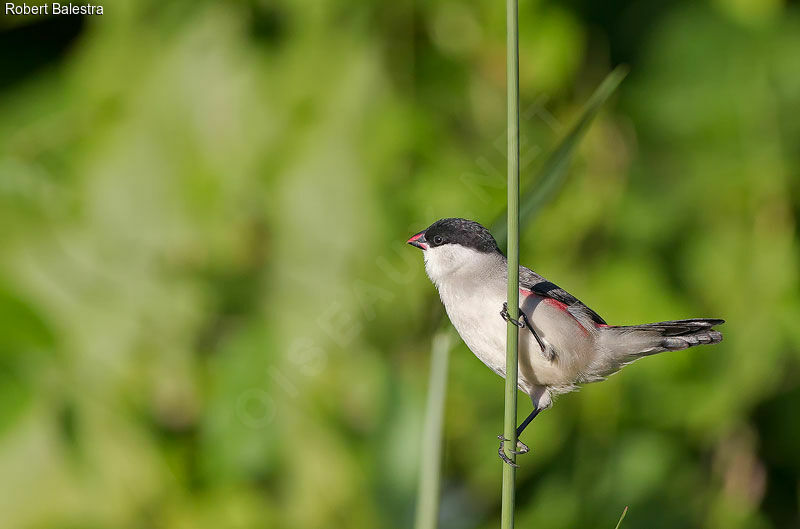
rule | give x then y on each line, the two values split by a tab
450	262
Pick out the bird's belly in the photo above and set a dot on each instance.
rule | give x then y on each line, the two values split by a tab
484	334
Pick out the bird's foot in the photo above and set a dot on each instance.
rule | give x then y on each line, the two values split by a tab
522	448
504	314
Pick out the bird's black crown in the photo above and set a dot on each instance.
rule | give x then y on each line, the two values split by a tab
467	233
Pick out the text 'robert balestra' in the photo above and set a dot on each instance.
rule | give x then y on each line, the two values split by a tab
53	9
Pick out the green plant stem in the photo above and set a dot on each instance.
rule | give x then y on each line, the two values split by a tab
624	512
430	472
510	417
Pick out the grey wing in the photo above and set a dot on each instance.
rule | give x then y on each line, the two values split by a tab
530	280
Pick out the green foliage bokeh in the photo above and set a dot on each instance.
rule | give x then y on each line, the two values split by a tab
208	317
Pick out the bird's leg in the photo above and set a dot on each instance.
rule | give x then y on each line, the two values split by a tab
504	314
547	351
520	445
522	448
523	321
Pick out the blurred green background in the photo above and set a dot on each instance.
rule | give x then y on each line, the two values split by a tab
208	317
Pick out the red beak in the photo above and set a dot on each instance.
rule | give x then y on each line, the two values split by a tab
419	241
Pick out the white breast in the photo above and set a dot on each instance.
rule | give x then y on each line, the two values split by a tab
470	308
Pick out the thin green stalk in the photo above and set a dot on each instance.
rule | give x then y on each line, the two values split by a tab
510	418
624	512
430	472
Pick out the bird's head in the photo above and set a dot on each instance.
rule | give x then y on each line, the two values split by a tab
450	244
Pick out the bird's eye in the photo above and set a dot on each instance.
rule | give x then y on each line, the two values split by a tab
438	239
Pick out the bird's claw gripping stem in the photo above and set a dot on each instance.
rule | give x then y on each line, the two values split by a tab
504	314
523	322
523	449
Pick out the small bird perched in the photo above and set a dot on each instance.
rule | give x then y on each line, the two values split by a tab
564	344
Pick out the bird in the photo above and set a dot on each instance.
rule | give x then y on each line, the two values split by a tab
562	344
